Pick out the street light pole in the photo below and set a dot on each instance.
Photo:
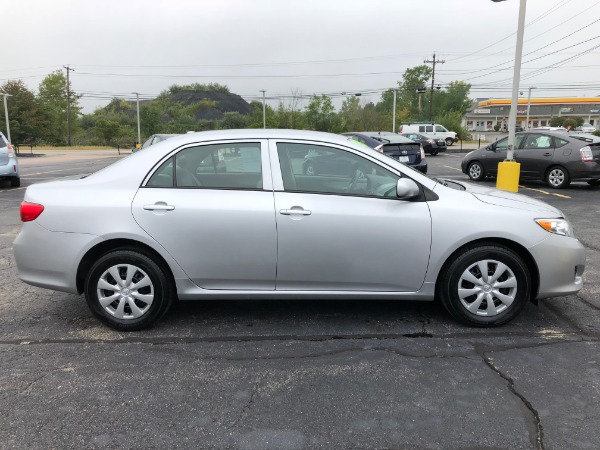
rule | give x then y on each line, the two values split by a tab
6	115
137	99
528	107
394	114
264	110
509	169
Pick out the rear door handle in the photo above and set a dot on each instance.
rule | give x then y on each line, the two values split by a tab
159	206
547	154
301	212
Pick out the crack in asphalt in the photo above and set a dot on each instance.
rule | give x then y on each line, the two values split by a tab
248	405
539	438
168	340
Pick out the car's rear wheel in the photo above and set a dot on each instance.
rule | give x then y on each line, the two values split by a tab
485	286
449	142
558	177
15	182
476	172
127	290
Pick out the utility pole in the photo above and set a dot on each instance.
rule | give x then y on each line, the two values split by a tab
6	115
433	62
264	110
68	105
137	99
528	108
394	114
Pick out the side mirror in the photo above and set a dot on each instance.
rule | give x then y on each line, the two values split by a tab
407	189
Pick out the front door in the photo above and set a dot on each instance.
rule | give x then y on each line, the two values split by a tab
211	208
346	232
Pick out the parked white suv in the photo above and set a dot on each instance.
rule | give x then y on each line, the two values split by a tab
434	129
9	166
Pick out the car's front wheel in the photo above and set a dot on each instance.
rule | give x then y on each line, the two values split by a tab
476	172
128	290
558	177
485	285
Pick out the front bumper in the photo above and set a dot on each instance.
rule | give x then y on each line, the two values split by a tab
561	262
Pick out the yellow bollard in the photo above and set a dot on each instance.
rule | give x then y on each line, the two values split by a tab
508	176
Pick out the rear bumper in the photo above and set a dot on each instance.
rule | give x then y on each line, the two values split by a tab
11	169
561	262
421	167
36	250
584	170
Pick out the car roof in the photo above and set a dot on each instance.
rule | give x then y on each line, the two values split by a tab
394	138
586	137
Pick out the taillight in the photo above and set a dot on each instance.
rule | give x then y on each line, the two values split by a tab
11	151
422	152
586	154
30	211
431	141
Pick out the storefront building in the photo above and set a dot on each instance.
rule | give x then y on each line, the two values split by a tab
486	113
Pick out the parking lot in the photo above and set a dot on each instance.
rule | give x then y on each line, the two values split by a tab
298	374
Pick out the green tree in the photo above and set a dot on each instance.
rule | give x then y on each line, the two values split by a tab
452	120
414	78
320	115
53	100
233	120
26	118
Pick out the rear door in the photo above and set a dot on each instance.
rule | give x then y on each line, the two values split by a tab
535	155
218	225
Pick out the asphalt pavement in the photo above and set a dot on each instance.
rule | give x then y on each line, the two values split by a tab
298	374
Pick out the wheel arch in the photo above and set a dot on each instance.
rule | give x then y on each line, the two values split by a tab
511	245
104	247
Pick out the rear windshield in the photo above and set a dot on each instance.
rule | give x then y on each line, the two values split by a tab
397	147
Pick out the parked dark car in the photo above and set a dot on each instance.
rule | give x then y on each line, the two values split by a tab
554	157
430	144
395	146
155	139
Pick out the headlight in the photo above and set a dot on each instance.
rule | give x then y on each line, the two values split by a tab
556	226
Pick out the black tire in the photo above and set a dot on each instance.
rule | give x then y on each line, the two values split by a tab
434	152
558	177
162	290
476	171
594	182
15	182
449	142
451	279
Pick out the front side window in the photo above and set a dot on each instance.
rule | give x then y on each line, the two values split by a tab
441	129
328	170
502	144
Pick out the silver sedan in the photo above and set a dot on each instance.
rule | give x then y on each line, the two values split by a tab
232	215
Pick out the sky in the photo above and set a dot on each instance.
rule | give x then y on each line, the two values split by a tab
334	47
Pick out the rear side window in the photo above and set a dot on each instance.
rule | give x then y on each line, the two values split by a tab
163	177
558	142
538	141
421	128
428	129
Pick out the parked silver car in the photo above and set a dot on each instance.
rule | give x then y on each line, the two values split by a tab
156	226
9	164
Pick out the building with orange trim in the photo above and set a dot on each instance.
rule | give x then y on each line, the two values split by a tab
485	113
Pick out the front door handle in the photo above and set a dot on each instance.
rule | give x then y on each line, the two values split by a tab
301	212
547	154
159	206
